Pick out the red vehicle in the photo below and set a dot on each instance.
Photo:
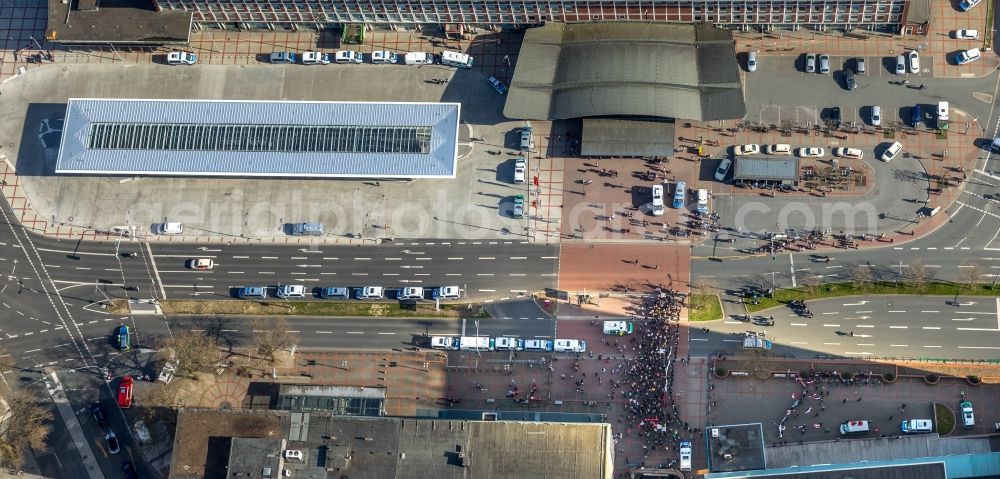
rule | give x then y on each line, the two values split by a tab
125	392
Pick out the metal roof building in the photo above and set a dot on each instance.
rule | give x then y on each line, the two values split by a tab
766	169
259	138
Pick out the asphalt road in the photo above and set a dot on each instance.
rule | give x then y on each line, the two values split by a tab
883	326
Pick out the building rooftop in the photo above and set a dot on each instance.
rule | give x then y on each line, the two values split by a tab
632	137
259	138
131	22
626	69
255	457
771	169
383	448
738	447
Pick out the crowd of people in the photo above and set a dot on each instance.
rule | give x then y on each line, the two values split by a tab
651	410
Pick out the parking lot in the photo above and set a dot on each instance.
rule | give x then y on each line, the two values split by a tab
476	204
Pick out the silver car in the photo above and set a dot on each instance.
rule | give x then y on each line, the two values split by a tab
824	63
810	63
900	64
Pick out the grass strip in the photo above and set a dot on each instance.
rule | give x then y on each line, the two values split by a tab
704	307
834	290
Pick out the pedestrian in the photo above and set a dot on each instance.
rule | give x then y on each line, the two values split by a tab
859	398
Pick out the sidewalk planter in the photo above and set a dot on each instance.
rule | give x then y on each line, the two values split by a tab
932	379
973	380
889	377
720	373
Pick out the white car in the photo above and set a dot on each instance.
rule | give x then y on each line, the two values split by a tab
751	61
968	56
506	344
741	150
447	292
890	153
371	292
315	58
520	170
412	292
845	152
811	152
900	64
384	56
112	440
170	228
181	58
348	56
201	263
779	149
286	291
914	61
965	34
685	450
723	169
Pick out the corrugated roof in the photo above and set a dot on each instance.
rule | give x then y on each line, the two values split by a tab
614	137
626	69
772	169
440	161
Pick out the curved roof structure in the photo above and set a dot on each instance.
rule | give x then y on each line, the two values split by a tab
626	69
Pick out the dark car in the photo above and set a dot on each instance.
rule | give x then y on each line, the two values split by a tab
835	116
916	116
99	416
129	470
849	80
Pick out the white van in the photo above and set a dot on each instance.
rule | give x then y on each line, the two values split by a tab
412	292
371	292
680	195
418	58
170	228
570	346
286	291
617	328
381	57
685	450
846	152
657	204
942	111
456	59
703	201
854	428
917	426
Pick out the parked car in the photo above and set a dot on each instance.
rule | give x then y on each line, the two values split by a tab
200	263
835	116
751	61
520	170
900	64
99	416
917	426
125	393
968	56
876	117
891	152
282	57
258	292
170	228
778	149
741	150
348	56
518	206
965	34
411	292
181	58
914	61
122	338
845	152
824	63
384	56
723	169
810	63
966	5
112	440
916	116
497	85
128	469
849	80
287	291
685	451
315	58
859	66
968	418
446	292
371	292
811	152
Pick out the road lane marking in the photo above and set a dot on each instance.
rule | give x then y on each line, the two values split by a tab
963	319
931	346
899	345
864	326
241	257
798	342
835	312
549	257
453	274
979	347
897	311
931	327
792	324
484	274
299	257
930	311
487	257
362	259
74	253
898	327
355	332
487	291
456	258
324	332
359	274
518	257
330	258
832	344
865	344
386	334
394	259
831	325
268	257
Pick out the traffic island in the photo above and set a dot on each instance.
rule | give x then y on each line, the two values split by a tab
833	290
310	308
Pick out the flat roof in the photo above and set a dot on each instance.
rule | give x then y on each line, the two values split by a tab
126	22
386	448
259	138
621	137
738	447
628	69
772	169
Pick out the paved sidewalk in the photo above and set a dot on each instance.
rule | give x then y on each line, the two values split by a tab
69	418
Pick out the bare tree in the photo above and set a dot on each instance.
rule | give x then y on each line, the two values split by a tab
861	275
193	352
973	274
268	337
22	425
918	275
